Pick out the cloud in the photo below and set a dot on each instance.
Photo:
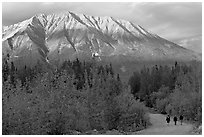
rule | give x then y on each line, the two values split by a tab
193	43
48	3
15	12
184	17
177	22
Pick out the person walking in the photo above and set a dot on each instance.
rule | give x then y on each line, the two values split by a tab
175	119
181	118
168	119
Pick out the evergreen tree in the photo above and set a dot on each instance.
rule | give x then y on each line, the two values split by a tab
13	74
118	78
134	83
5	70
111	70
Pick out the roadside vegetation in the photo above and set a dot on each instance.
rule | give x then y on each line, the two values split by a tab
174	90
77	97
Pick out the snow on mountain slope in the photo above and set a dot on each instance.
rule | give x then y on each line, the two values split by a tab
58	37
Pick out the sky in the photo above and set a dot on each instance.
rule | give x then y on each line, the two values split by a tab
180	23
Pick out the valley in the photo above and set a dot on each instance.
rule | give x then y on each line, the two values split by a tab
69	73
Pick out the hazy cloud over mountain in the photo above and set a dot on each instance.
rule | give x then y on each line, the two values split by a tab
177	22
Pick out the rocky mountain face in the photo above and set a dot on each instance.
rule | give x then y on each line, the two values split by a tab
55	38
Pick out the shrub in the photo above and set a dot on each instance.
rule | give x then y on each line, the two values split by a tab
133	112
59	103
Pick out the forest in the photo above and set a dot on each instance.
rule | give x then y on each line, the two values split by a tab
175	90
83	96
79	96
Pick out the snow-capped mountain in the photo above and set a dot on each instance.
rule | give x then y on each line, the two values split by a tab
58	37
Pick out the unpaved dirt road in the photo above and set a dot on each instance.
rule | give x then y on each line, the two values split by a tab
160	127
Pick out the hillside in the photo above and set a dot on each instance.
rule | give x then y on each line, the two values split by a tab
55	38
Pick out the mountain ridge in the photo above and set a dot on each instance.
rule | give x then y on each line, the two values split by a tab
66	35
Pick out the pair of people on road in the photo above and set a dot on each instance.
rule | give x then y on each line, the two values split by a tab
168	119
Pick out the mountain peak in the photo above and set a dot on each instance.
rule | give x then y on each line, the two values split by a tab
68	35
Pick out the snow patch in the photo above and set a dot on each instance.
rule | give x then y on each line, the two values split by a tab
96	56
141	29
123	69
168	45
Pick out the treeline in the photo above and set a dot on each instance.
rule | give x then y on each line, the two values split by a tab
79	96
174	90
